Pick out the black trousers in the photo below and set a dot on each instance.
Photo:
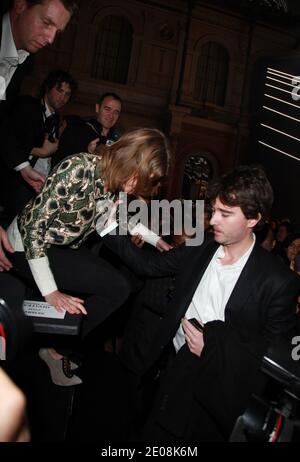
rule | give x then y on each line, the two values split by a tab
82	272
176	416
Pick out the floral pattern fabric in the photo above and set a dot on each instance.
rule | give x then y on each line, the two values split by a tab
64	212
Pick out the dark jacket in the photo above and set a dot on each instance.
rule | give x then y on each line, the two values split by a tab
152	303
217	385
13	88
23	129
77	136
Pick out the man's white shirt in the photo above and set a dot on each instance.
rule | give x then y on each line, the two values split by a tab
10	57
213	291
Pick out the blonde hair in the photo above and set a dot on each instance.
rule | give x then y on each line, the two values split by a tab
143	153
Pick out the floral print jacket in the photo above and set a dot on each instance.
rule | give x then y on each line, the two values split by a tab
64	212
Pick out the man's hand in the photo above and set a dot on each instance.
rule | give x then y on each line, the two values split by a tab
137	240
60	301
47	149
5	264
33	178
92	146
193	337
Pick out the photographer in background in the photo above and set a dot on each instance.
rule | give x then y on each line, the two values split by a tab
29	137
84	135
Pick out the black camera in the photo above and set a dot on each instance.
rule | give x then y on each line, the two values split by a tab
102	140
274	415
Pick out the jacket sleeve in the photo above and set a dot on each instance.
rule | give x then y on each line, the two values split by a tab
59	190
20	131
146	262
281	314
61	186
75	138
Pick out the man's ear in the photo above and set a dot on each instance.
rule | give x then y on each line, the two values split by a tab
97	108
252	222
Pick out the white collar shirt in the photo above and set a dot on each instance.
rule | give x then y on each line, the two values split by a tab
213	291
10	57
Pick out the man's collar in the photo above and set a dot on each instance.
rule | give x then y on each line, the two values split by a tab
8	47
48	113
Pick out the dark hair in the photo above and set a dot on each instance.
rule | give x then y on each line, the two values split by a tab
246	187
69	5
110	95
56	78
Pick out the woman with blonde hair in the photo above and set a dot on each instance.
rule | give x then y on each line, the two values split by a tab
47	235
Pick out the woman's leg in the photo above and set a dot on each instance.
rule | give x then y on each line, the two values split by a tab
83	272
80	271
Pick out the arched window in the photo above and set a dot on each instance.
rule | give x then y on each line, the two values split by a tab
113	49
212	74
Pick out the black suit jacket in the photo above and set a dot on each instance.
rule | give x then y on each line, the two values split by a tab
77	136
215	387
152	303
22	130
261	303
13	88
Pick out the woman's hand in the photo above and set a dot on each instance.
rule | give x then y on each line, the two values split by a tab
163	246
193	337
47	149
66	302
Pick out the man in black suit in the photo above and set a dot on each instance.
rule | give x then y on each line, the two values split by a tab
29	138
26	28
242	298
